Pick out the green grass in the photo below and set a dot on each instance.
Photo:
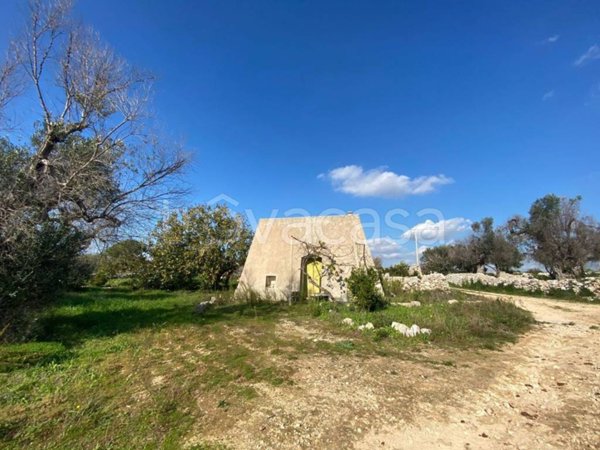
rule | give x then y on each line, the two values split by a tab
114	368
584	296
470	323
121	369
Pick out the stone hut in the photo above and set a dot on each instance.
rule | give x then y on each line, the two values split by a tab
302	257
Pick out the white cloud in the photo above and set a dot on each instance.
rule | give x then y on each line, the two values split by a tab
548	95
592	53
385	248
381	183
391	251
438	232
552	39
429	233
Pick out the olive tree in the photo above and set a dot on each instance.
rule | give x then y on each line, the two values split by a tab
459	257
200	247
487	246
401	269
494	246
558	236
92	161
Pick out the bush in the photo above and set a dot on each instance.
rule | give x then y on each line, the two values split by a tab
124	259
316	308
382	333
36	262
123	283
392	288
363	285
398	270
82	271
201	247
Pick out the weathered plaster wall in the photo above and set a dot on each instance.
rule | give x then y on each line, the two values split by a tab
277	251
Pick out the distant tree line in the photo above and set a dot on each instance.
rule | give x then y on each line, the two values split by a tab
400	269
555	234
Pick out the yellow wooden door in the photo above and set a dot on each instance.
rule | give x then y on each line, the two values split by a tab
314	270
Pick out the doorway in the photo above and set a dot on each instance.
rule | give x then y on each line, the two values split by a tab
312	273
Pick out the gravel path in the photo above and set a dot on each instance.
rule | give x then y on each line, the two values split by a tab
541	393
546	395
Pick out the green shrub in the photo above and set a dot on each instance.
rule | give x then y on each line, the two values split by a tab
36	262
381	333
122	283
124	259
201	247
99	279
392	288
364	289
81	271
398	270
316	308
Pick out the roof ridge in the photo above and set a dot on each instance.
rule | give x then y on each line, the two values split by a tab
332	216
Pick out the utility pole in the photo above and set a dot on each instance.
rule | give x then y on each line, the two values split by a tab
417	250
417	253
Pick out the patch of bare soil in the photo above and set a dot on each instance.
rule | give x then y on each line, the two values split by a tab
542	392
292	329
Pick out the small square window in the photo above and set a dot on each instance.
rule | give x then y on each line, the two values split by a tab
270	282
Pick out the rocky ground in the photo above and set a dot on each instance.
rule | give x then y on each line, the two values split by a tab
542	392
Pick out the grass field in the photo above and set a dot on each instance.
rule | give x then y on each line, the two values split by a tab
114	368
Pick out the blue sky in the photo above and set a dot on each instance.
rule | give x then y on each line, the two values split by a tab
470	108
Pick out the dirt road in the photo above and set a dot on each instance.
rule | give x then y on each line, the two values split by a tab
545	395
542	392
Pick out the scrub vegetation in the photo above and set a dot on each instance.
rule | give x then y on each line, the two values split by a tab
116	368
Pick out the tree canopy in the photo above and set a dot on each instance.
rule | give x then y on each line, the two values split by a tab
92	165
558	236
487	246
200	247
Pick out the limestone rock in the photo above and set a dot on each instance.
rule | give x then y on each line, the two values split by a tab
431	282
527	283
409	304
202	307
400	327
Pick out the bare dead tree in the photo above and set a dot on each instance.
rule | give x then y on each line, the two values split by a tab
9	83
94	162
93	166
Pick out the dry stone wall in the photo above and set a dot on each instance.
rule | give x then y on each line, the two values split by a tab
525	282
431	282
